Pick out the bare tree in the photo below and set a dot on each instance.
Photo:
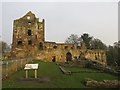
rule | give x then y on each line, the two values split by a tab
73	39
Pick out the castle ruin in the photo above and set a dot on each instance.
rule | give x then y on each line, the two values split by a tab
29	41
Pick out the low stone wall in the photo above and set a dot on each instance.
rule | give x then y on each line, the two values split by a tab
67	72
9	67
92	65
102	84
103	68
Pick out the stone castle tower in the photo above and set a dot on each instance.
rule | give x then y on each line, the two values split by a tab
28	33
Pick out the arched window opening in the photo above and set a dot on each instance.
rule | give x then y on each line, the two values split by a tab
19	43
53	59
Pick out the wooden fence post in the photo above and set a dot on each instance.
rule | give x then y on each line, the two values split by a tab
26	73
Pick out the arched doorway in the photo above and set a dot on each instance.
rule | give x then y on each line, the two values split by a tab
68	56
53	59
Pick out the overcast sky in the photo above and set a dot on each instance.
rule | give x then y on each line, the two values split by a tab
99	19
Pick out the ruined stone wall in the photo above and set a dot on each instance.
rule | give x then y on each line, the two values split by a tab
60	52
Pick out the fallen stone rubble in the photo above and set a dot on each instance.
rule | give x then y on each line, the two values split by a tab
102	84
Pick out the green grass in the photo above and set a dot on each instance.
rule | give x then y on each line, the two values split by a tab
57	78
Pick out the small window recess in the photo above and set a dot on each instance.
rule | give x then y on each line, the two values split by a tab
55	47
66	47
19	43
29	23
29	42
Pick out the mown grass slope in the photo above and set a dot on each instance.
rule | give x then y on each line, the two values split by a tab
57	78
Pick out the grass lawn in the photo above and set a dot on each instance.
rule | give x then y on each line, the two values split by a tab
57	78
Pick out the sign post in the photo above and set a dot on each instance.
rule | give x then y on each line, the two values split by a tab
26	73
35	73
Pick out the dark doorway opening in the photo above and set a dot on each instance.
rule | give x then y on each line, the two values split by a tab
68	57
53	59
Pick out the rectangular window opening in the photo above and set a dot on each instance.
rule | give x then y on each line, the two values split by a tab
29	42
29	32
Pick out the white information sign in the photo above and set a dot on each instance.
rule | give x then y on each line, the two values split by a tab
31	66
